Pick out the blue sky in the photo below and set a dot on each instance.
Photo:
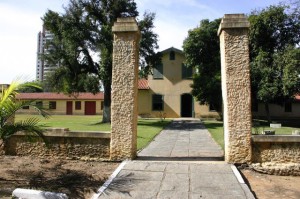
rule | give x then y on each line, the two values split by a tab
20	21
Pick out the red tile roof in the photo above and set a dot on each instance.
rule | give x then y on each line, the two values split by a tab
143	84
60	96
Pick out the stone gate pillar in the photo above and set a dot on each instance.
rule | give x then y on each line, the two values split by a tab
236	92
124	89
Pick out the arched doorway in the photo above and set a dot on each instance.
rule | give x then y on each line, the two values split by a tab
187	105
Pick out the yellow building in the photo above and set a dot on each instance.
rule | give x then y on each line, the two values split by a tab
288	110
166	93
61	104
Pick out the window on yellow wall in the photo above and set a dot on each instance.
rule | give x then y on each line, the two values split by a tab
254	106
52	105
187	72
78	105
158	71
102	105
157	102
288	107
212	108
172	55
39	103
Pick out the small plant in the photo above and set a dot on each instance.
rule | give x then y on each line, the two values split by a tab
9	105
256	127
162	116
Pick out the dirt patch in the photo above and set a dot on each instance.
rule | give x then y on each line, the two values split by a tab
77	179
271	186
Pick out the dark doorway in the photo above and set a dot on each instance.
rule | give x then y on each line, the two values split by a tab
69	108
90	108
186	105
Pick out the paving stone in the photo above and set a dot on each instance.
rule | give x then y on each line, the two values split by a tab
184	177
177	168
180	186
172	195
140	175
127	195
156	167
139	166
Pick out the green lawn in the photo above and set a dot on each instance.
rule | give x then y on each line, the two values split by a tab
147	128
73	122
216	130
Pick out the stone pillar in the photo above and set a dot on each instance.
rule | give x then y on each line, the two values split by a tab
124	89
236	89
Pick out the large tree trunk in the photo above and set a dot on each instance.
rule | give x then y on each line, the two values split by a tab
268	112
107	102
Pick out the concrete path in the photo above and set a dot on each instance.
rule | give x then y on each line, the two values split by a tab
186	139
178	164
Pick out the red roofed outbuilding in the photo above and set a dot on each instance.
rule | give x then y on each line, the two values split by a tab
76	104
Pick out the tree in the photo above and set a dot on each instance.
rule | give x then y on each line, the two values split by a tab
70	49
274	34
31	89
202	51
85	27
9	105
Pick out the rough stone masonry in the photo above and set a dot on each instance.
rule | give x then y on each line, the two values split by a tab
124	89
236	92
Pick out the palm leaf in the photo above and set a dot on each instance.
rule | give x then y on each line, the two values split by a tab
9	105
29	126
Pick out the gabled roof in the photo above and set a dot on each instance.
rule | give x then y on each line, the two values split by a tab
172	49
60	96
143	84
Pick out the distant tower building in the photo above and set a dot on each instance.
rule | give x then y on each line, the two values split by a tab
42	67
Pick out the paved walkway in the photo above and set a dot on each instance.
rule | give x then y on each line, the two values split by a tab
179	163
186	139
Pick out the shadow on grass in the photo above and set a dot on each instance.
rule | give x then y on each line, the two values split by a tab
97	123
213	125
152	123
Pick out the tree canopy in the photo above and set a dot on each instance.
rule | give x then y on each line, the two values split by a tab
86	28
202	51
274	56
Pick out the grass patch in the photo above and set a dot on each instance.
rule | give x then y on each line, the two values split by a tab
286	128
147	128
216	130
73	122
